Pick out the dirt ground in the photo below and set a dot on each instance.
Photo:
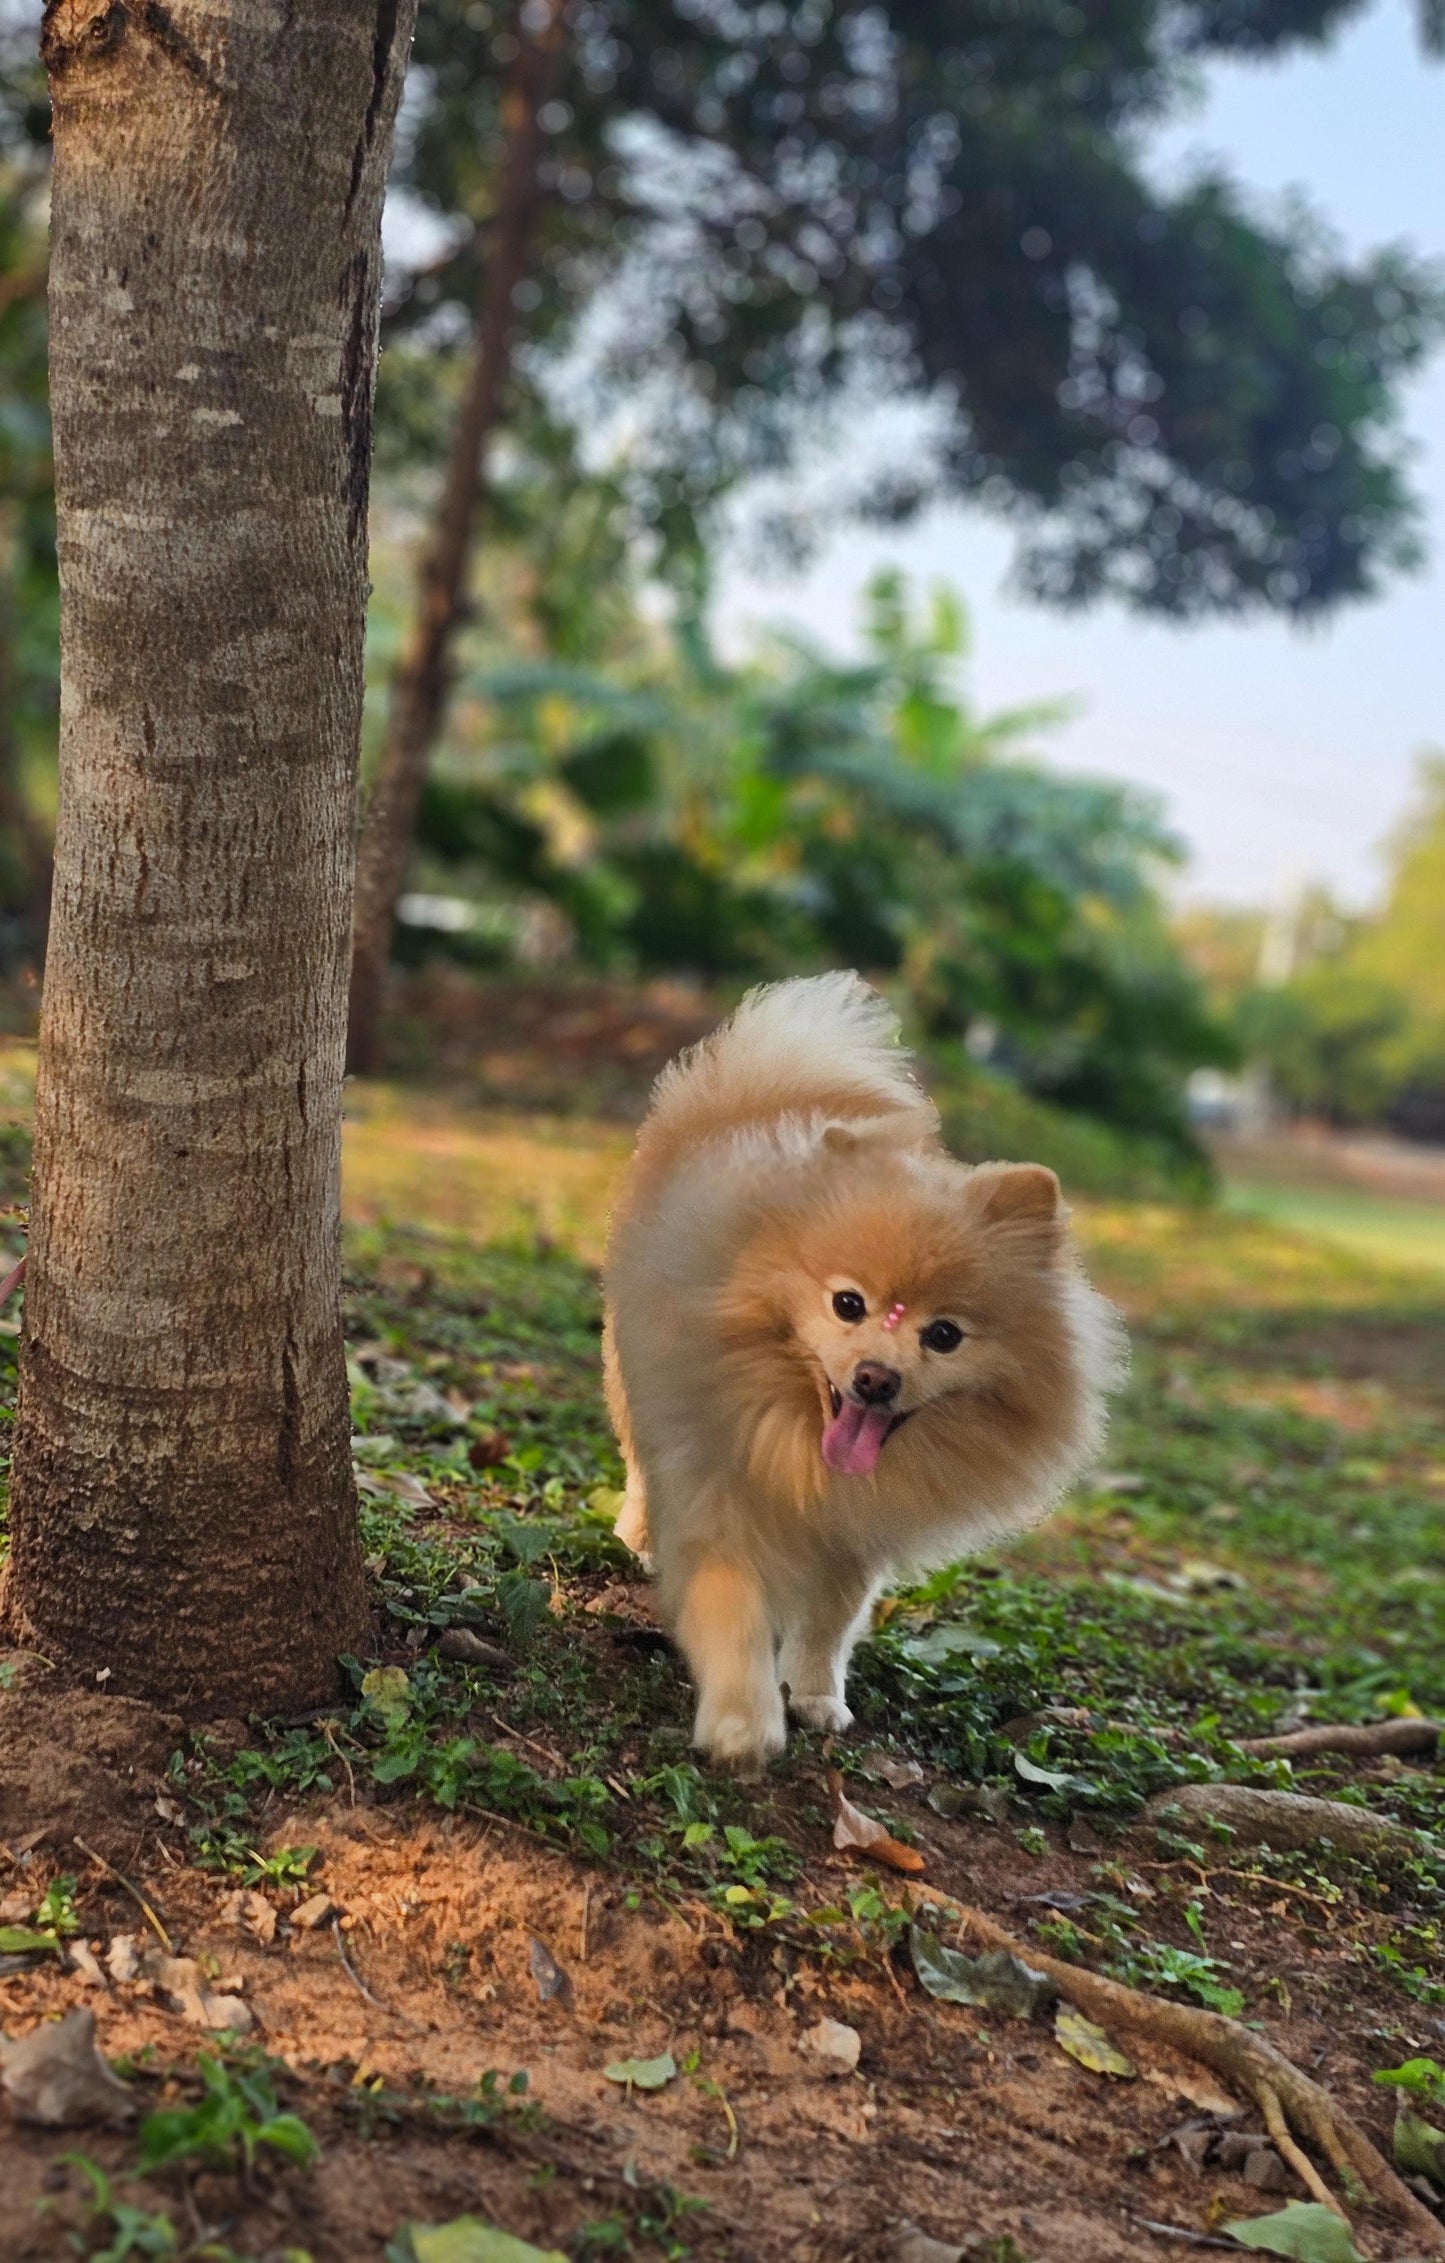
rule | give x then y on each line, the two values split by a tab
956	2125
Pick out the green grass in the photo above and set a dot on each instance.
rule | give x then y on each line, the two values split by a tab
1269	1542
1400	1233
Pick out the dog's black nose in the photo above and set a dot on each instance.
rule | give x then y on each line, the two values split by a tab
875	1384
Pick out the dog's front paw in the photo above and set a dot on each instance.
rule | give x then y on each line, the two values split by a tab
740	1734
829	1714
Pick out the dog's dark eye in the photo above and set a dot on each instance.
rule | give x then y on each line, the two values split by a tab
849	1305
941	1336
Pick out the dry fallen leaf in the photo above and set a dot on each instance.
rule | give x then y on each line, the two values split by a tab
1197	2087
857	1833
891	1768
1090	2045
997	1981
553	1984
468	2240
57	2079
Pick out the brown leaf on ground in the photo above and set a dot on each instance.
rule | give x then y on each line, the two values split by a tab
56	2078
553	1984
857	1833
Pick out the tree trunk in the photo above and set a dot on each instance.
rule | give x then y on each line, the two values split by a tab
27	846
183	1512
423	674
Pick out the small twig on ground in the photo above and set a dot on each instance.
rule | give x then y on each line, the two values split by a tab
586	1912
531	1743
1179	2232
1230	2050
360	1985
152	1920
1363	1741
1279	1886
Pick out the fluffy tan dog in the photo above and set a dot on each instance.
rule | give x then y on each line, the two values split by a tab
831	1350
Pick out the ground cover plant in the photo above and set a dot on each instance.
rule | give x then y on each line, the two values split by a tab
497	1948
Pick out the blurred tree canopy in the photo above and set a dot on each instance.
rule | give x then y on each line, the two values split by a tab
751	210
733	822
1356	1035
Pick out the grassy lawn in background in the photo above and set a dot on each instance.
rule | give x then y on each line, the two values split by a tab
1400	1233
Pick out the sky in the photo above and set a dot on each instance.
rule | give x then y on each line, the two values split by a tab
1282	755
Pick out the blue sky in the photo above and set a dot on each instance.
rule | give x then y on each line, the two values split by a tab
1281	754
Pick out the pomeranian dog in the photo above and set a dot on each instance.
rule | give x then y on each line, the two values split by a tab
831	1350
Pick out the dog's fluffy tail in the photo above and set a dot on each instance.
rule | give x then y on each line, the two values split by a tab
824	1045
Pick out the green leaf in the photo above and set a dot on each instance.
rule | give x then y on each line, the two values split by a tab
1419	2149
1304	2230
995	1982
19	1940
1090	2045
643	2074
389	1690
291	2138
468	2240
1426	2077
1052	1779
942	1643
525	1603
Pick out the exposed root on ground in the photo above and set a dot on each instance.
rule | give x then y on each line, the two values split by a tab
1289	1821
1365	1741
1284	2095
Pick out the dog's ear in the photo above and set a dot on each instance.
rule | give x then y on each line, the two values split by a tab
1023	1195
840	1139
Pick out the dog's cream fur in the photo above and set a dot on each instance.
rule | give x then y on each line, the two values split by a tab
790	1156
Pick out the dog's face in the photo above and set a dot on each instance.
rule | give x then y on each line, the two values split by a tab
903	1294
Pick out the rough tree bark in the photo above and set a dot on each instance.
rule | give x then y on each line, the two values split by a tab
422	679
183	1512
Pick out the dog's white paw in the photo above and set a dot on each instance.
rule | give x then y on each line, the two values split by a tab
742	1736
827	1713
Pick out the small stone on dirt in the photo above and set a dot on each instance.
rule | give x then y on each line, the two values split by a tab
121	1960
319	1910
250	1913
183	1989
834	2046
1266	2171
81	1958
909	2245
56	2078
467	1649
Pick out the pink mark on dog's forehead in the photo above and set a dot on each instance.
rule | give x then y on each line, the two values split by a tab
893	1315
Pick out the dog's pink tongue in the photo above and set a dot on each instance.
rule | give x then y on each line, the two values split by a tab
854	1439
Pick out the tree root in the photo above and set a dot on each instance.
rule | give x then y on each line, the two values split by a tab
1289	1820
1283	2094
1364	1742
